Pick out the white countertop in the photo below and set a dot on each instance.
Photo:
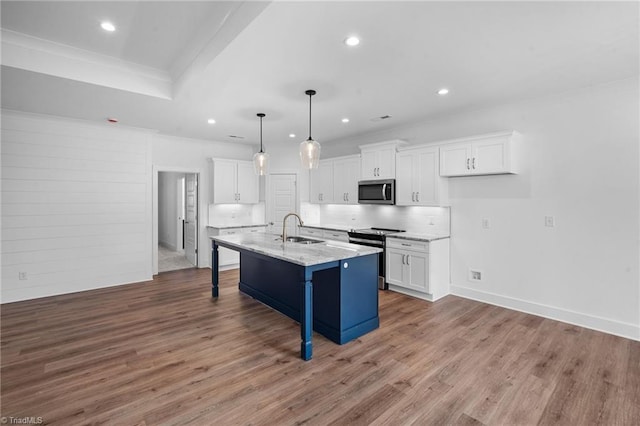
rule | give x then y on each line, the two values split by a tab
300	254
330	227
418	236
236	225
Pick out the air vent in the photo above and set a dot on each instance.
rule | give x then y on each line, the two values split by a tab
383	117
236	137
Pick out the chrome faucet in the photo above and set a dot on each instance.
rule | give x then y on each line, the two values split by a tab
284	225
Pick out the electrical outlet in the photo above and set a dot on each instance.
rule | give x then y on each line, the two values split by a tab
22	275
486	223
549	221
475	275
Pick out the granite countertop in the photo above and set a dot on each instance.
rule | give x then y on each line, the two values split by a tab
330	227
418	236
300	254
235	225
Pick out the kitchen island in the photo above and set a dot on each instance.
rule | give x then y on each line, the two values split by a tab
328	286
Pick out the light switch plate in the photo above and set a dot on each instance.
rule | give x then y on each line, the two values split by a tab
549	221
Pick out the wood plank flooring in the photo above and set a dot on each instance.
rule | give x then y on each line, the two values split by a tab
163	352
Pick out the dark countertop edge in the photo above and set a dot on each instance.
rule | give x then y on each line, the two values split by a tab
236	226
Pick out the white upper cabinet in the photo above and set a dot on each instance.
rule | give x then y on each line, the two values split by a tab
378	160
495	153
234	182
321	183
346	172
418	180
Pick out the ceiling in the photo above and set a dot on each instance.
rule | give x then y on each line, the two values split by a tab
171	66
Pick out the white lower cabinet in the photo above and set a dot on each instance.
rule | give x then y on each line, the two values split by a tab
327	234
418	268
228	257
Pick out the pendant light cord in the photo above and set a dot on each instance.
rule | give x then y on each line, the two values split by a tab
261	134
310	117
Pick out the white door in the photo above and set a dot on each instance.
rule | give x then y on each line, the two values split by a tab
282	200
191	219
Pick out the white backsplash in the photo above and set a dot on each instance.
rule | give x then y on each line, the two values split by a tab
426	220
236	214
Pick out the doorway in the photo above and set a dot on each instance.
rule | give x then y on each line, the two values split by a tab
177	225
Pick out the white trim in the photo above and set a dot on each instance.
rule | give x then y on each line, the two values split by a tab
627	330
42	56
154	222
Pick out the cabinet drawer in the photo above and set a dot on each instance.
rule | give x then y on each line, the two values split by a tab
254	230
336	235
422	246
313	232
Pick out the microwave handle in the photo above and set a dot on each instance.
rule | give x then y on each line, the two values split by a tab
384	191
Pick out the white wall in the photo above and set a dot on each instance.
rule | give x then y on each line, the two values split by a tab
582	167
176	154
76	206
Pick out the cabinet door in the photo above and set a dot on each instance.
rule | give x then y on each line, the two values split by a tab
325	175
418	271
352	176
455	160
395	267
386	163
426	178
490	156
247	183
226	256
339	182
405	194
369	164
346	173
224	181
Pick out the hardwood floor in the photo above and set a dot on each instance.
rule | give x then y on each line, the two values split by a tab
164	352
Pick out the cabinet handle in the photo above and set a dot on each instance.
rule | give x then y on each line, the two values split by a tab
408	258
238	196
418	197
473	163
468	168
403	256
347	196
406	245
413	196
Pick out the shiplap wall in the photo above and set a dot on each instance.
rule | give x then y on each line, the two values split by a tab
76	206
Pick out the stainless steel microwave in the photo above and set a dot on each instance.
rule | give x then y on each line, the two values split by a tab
377	191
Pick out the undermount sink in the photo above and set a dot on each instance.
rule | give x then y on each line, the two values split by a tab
302	240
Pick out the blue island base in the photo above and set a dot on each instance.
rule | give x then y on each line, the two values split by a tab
345	297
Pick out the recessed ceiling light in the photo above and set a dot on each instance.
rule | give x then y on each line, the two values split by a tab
292	135
345	120
443	91
211	121
352	41
108	26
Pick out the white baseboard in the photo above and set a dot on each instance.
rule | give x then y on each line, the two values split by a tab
622	329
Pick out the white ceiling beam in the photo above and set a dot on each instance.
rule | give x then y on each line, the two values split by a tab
37	55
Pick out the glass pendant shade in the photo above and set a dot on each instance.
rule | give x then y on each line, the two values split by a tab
310	154
310	149
261	159
261	163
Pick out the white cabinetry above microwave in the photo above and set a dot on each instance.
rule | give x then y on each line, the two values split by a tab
234	182
418	180
335	181
378	160
495	153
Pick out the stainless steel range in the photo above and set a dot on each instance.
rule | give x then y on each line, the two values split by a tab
374	237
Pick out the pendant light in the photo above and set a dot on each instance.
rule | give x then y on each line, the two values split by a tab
261	159
310	149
